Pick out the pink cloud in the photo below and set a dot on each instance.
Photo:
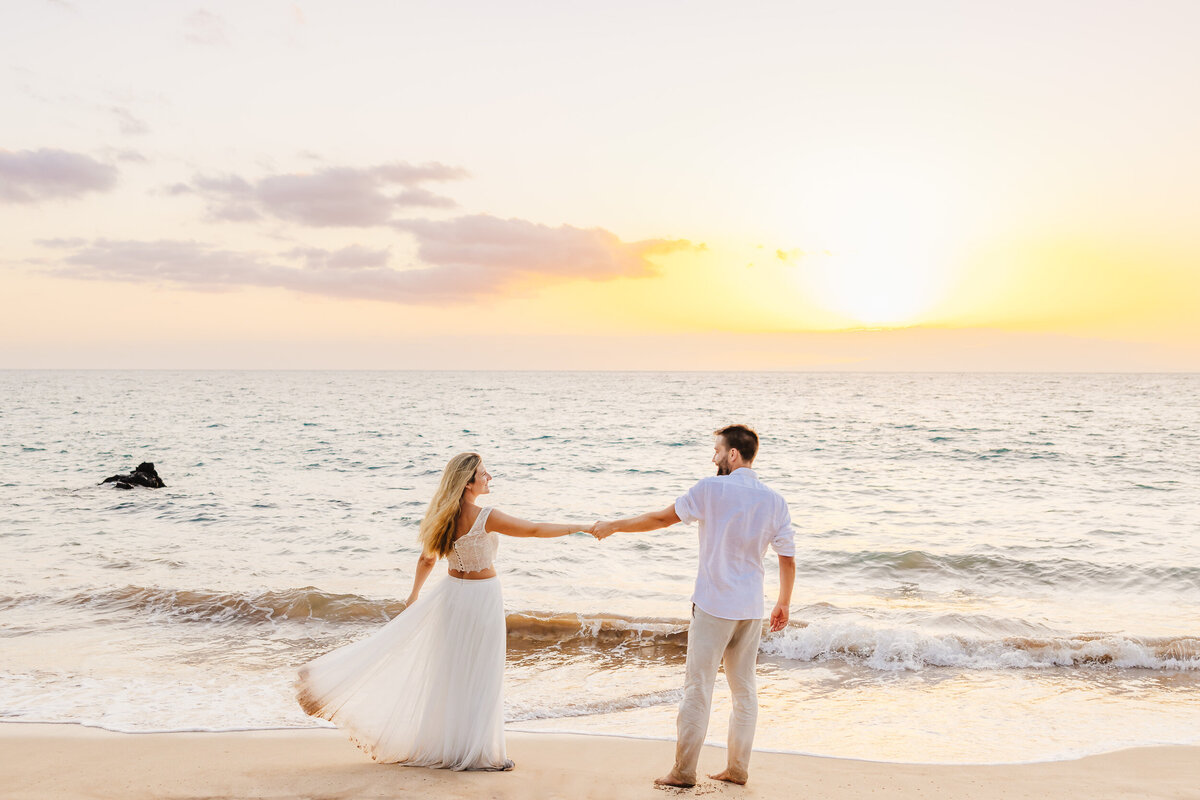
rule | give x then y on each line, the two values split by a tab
206	28
354	256
127	123
329	197
518	247
30	176
462	259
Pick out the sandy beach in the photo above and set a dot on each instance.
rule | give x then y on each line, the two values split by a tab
69	761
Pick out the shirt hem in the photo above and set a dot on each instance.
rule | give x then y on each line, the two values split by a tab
700	606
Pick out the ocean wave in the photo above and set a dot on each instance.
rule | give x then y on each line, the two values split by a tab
908	649
1001	568
309	603
306	603
609	630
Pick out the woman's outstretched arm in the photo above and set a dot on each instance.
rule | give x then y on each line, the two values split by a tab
425	564
500	522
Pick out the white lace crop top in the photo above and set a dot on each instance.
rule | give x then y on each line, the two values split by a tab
476	549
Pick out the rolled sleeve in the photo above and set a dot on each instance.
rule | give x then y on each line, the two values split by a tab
689	506
784	540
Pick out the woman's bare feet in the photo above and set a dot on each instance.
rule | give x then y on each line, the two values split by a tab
729	777
672	779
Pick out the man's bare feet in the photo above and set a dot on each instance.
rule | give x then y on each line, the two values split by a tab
673	779
729	777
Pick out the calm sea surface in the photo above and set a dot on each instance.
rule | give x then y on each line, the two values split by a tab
990	567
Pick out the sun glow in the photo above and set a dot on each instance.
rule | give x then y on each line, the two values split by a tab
885	234
879	285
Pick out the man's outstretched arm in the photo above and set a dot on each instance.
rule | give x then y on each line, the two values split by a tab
650	521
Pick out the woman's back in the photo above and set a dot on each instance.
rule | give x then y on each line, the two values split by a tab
475	550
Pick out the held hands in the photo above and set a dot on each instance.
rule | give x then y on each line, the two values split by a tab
779	617
602	530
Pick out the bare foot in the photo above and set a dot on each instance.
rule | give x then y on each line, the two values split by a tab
672	779
728	777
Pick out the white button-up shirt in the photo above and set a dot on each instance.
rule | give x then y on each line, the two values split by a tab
739	516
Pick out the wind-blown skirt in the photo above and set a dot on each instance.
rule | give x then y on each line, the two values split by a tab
426	689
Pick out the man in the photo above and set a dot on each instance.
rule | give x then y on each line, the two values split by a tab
739	516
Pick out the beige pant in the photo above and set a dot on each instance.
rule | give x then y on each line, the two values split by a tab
711	641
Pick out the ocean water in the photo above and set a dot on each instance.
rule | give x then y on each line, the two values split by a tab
991	568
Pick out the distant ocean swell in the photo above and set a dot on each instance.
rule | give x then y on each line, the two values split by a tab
894	648
990	568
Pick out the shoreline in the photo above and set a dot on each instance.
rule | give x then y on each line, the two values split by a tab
70	760
632	737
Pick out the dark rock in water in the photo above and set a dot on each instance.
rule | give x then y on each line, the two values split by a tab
144	475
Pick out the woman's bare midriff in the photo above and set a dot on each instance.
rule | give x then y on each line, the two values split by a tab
478	575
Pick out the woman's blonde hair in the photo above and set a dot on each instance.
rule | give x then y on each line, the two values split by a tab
438	526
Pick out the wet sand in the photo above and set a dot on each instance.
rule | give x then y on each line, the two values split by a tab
69	761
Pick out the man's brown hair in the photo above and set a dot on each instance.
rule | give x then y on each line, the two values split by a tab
740	438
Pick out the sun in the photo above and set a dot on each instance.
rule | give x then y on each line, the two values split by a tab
885	234
884	285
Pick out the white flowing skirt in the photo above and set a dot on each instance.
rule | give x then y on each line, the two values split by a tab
426	689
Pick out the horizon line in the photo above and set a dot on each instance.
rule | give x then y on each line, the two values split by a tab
614	371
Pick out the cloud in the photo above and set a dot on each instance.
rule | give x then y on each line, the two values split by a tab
127	122
235	212
206	28
329	197
464	259
123	154
29	176
516	247
231	185
352	257
196	265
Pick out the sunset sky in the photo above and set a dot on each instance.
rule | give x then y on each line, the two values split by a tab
859	185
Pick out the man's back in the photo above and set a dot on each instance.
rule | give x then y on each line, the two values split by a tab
739	517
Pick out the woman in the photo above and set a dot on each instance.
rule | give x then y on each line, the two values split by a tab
426	689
